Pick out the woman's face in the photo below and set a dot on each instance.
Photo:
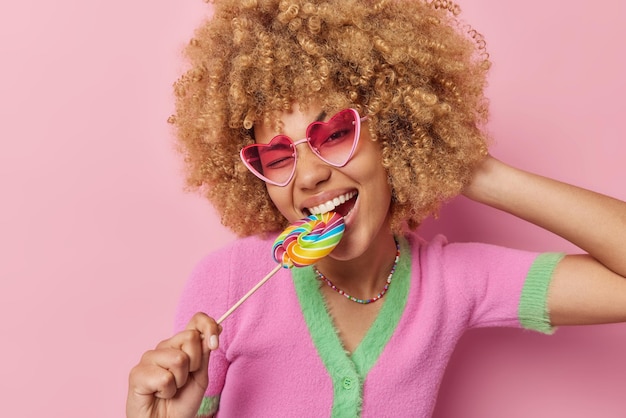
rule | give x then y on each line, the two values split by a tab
319	187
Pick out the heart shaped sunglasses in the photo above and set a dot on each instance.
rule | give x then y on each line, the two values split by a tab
333	142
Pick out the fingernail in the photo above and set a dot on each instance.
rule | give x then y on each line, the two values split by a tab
213	342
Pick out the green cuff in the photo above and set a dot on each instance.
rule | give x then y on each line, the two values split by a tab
533	307
208	407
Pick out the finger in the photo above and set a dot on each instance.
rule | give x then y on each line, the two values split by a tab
146	383
208	329
201	376
174	360
148	379
188	342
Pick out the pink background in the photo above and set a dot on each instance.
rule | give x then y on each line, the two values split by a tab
97	236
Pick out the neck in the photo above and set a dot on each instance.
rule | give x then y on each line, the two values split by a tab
364	275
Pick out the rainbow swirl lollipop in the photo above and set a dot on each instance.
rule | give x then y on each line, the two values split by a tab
301	244
308	240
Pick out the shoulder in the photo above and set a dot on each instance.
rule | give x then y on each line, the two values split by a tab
464	255
469	267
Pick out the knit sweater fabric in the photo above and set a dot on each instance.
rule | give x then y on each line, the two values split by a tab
280	355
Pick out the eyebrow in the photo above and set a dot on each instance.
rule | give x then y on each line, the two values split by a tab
321	116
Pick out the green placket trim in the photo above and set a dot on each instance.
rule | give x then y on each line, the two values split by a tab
533	308
348	372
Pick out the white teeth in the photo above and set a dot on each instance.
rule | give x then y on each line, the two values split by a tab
331	204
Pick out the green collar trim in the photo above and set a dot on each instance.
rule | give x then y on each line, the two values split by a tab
348	372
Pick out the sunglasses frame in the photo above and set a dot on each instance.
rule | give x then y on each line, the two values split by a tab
357	134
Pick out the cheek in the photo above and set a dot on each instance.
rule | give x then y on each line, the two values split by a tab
378	177
281	197
369	164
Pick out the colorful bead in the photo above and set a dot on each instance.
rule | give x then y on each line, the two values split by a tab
323	278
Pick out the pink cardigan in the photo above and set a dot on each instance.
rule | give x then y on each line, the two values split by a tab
280	356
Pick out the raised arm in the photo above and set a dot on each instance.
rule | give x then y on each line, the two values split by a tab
586	289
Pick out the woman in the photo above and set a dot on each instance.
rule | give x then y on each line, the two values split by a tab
373	110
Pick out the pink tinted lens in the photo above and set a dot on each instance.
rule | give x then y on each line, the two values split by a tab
274	161
334	141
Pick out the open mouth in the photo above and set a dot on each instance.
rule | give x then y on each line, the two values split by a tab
341	204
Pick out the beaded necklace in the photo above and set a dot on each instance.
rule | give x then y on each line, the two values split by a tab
323	278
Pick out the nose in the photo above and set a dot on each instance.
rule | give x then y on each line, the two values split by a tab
310	169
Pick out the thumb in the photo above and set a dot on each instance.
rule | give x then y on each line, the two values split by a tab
210	343
201	376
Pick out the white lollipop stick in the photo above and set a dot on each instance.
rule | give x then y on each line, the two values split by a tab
250	292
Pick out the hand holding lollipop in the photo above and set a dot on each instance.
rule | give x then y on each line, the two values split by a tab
301	244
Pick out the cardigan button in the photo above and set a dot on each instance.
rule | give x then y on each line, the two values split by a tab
348	383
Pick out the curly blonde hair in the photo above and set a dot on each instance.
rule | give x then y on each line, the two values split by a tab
409	65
